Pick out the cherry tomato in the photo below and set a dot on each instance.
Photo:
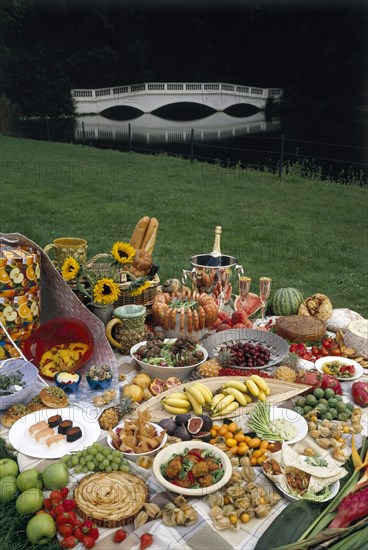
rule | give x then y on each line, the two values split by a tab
307	356
315	350
336	352
327	342
325	352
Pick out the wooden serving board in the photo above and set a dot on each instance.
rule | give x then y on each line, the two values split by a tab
280	391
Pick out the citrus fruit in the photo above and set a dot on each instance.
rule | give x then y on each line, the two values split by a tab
230	442
30	272
4	277
24	311
232	427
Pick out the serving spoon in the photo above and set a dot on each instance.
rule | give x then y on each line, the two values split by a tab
14	388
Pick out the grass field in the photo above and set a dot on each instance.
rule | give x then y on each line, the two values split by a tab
301	233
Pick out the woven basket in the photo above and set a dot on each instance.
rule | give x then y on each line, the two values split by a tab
103	269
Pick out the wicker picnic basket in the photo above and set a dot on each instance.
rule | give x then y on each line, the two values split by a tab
125	279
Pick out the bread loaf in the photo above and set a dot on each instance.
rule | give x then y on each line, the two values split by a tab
150	236
142	263
139	232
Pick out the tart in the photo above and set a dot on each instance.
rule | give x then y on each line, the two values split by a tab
110	499
297	328
54	397
14	413
36	404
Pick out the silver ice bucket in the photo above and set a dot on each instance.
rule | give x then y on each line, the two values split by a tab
217	281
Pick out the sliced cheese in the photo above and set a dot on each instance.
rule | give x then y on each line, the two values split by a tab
356	336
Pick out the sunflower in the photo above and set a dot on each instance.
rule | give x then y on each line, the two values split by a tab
70	269
139	286
123	252
106	291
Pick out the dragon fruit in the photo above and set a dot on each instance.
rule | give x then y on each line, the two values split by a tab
359	392
316	379
352	507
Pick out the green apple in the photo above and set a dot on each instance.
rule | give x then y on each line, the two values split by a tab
8	467
41	529
55	476
29	502
8	488
29	479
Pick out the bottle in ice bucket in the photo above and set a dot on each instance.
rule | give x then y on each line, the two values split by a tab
214	259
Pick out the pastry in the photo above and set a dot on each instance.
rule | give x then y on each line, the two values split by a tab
14	413
54	397
36	404
298	328
110	499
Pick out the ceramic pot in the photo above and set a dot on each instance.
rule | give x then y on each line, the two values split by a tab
127	327
103	312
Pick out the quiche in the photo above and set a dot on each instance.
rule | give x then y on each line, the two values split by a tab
110	499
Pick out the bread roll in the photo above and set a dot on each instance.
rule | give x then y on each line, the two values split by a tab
139	232
142	263
150	236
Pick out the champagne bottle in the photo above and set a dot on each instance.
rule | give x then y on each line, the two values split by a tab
214	259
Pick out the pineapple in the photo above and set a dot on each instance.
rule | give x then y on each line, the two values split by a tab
286	373
209	368
125	406
225	358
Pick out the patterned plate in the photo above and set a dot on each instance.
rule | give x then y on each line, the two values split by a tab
277	346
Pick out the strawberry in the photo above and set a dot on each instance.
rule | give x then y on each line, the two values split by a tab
94	533
88	541
56	496
87	526
78	533
68	542
69	504
67	517
64	492
146	540
65	530
58	509
120	535
47	504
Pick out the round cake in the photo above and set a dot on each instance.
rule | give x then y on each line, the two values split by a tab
299	328
110	499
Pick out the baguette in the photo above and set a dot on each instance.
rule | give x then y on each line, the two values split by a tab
139	232
150	236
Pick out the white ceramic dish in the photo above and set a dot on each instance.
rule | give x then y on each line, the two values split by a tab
334	490
345	361
155	371
25	443
177	448
292	417
132	456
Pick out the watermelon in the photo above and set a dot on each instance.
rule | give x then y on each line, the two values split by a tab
286	301
251	305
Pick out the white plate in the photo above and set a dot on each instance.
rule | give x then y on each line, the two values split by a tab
334	490
25	443
292	417
345	361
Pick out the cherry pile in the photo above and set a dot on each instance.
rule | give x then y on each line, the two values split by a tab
228	371
249	355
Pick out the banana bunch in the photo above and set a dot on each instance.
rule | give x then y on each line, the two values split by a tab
176	403
258	387
236	394
198	395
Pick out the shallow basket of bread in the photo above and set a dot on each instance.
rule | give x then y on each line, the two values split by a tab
137	437
299	476
192	468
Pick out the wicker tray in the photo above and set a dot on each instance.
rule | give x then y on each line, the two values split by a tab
103	269
280	391
277	346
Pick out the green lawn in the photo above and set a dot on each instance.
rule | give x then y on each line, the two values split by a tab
307	234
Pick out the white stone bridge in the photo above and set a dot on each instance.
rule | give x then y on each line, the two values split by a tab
148	97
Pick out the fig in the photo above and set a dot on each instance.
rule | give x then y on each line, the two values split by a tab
207	422
182	433
169	425
194	425
203	436
181	419
172	381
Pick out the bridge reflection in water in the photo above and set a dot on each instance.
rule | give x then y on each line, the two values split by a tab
149	128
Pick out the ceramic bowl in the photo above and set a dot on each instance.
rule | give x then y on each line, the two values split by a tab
29	373
155	371
67	381
132	456
358	369
177	448
99	384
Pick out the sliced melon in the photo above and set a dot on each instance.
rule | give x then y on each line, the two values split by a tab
251	305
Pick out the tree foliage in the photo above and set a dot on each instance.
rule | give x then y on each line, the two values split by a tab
316	52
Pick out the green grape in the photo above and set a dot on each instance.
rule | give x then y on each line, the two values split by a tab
92	450
90	457
96	444
106	451
114	466
69	464
84	469
116	459
108	469
82	461
124	468
106	462
116	454
91	466
100	457
100	467
78	469
75	460
79	453
65	458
